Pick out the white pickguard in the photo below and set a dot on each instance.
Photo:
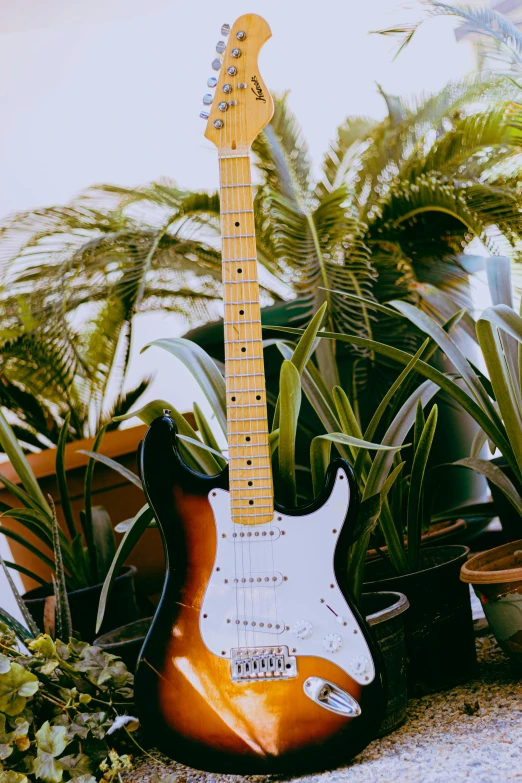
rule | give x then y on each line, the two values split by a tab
285	575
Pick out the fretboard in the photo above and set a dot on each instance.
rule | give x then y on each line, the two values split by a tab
250	471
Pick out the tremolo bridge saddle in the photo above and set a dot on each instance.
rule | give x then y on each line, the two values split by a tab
262	663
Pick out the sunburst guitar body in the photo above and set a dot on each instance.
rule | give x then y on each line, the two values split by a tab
257	660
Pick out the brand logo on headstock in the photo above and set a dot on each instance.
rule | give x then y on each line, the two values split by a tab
257	89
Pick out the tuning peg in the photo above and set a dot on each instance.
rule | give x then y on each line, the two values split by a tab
204	115
225	30
220	47
216	64
207	99
212	82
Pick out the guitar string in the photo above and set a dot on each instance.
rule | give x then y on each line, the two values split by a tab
224	206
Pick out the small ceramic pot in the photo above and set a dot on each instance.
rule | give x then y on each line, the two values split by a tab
496	576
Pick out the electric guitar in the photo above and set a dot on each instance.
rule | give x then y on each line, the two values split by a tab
257	660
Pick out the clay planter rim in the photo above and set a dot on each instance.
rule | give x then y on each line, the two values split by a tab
399	605
458	550
476	571
121	636
127	570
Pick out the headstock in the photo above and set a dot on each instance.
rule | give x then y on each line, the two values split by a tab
241	105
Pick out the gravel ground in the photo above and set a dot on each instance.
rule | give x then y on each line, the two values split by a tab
473	732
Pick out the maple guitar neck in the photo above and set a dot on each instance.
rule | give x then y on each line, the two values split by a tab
250	470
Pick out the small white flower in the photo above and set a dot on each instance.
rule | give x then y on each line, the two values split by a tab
123	720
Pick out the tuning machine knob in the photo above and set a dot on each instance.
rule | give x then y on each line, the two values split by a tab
216	64
207	99
225	30
212	81
220	47
204	115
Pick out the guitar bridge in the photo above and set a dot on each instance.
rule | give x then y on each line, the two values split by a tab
262	663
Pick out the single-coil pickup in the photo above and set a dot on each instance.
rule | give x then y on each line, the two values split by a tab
261	579
261	624
252	534
252	664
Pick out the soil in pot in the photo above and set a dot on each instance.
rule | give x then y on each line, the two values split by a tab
126	641
496	577
121	606
440	642
384	612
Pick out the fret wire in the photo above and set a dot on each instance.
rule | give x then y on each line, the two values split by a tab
238	185
241	340
259	478
246	375
237	211
239	323
247	405
245	301
235	260
242	391
238	236
249	418
239	282
260	514
226	157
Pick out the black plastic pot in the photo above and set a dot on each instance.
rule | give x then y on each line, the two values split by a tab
121	606
384	612
440	642
126	641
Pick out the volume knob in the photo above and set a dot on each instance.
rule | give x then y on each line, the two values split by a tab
302	629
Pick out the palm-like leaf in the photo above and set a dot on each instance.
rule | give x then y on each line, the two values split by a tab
397	201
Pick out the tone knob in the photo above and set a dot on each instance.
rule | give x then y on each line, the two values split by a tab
212	81
332	642
359	665
225	30
302	629
220	47
204	115
216	64
207	99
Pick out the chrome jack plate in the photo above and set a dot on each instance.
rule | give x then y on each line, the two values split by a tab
262	663
331	697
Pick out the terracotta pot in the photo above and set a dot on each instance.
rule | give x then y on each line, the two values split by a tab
496	577
449	532
118	496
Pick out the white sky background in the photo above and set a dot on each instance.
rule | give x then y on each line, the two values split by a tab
110	91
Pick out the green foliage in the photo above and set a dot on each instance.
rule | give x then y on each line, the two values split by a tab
79	560
395	203
62	709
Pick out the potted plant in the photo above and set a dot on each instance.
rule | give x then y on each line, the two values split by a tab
63	703
301	372
493	402
87	547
